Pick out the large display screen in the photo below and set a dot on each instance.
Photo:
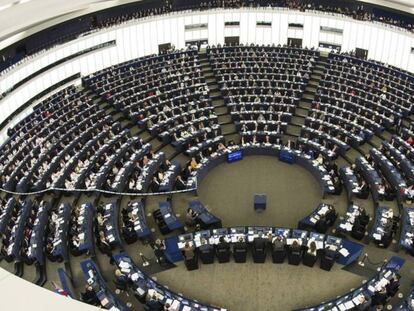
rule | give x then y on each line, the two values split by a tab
235	156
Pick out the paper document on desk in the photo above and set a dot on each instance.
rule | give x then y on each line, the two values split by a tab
376	236
356	301
342	307
134	276
290	241
382	283
319	244
387	274
175	305
104	302
125	269
140	291
344	252
349	305
323	210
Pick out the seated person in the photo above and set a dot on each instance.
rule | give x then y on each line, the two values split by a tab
180	184
321	225
295	253
89	296
159	248
190	217
153	302
206	252
121	280
223	250
364	302
279	243
379	297
193	163
393	286
259	243
240	244
363	190
188	251
312	250
328	258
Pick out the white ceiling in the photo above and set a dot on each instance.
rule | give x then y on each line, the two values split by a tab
409	3
20	18
403	5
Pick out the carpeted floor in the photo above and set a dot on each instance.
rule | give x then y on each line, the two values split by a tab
292	192
268	286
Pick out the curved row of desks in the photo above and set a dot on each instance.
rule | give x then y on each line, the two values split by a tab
142	284
348	251
350	301
283	153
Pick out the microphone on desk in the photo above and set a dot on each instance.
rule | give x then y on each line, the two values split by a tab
362	262
145	261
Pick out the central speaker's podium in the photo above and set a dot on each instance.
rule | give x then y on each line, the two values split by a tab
260	202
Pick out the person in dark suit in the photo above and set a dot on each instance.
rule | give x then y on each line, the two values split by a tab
179	183
153	303
204	246
331	216
187	172
155	185
328	258
363	190
121	280
259	249
240	244
259	243
393	286
379	298
223	250
364	302
159	249
89	296
321	225
222	243
206	252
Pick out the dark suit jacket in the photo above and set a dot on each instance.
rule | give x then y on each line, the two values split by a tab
259	244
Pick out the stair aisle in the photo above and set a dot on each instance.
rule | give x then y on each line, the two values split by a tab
305	104
228	128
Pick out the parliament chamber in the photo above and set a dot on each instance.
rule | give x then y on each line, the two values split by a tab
180	155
